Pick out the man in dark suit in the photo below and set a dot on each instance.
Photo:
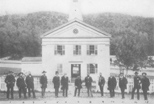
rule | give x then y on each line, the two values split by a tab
145	85
112	85
137	82
78	85
64	83
56	82
101	83
30	84
10	80
122	84
43	82
88	83
21	85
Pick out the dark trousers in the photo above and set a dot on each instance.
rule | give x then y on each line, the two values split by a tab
22	89
43	92
76	91
89	91
112	93
65	90
145	94
133	91
56	92
29	92
8	92
101	89
122	92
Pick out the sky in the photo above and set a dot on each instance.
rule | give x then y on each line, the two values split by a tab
143	8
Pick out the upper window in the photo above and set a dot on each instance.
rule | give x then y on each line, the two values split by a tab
77	50
92	50
59	50
92	68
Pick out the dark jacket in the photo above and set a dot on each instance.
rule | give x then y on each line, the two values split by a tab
137	82
112	83
64	82
78	83
123	83
43	81
30	81
21	82
88	81
101	81
56	81
145	83
10	80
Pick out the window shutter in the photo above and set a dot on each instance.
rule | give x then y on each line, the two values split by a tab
55	49
63	50
79	49
95	49
88	53
88	68
74	49
96	68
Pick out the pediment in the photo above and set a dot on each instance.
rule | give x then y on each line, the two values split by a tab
76	29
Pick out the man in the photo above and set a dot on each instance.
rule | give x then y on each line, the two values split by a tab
30	84
10	80
122	84
137	81
78	85
43	82
145	85
56	82
101	83
64	83
88	83
112	85
21	85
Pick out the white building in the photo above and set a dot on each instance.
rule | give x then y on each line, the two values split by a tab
76	48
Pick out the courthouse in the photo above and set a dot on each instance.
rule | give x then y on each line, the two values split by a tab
76	48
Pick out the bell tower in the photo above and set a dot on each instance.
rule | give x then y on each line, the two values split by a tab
75	11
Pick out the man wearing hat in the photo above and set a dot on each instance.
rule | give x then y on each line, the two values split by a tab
137	82
64	83
112	83
122	84
10	80
43	82
101	83
78	85
30	84
56	82
88	83
145	85
21	84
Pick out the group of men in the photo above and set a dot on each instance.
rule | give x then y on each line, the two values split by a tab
23	83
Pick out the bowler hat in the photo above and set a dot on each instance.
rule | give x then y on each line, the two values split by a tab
144	73
44	72
57	72
20	73
136	72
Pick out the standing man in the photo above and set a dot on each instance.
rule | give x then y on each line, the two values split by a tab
56	82
137	82
122	84
101	83
30	84
145	85
64	83
88	83
10	80
112	85
43	82
21	85
78	85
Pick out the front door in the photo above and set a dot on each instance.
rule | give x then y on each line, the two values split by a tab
75	71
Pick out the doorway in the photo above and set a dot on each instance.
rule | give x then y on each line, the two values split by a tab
75	71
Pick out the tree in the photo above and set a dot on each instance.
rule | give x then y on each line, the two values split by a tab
130	50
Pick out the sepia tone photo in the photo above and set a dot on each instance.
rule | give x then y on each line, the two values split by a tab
76	51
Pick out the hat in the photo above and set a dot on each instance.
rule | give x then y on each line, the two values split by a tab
136	72
44	72
57	72
20	73
144	73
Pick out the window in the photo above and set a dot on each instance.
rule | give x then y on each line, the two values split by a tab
60	68
92	68
92	50
59	50
77	50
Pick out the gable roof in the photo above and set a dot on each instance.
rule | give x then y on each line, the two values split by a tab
77	21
